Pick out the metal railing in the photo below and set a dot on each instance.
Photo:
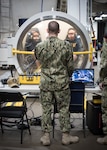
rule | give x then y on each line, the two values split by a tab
90	52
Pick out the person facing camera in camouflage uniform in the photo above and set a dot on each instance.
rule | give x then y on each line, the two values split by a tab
56	59
103	86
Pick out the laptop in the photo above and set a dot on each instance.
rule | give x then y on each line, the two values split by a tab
84	75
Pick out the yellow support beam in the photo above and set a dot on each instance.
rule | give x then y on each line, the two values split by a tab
83	52
90	52
15	51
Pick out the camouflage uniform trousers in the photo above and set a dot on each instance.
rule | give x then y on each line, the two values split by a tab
104	109
63	100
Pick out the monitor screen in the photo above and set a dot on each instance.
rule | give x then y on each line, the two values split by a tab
83	75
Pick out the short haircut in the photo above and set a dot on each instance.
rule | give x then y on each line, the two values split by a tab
71	29
53	26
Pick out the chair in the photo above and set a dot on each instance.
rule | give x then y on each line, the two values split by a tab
77	100
13	105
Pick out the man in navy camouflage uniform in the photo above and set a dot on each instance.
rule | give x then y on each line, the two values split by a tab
56	60
103	86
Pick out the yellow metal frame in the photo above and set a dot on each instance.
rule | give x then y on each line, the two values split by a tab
16	51
27	79
90	52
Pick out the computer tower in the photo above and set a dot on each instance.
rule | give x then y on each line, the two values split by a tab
93	118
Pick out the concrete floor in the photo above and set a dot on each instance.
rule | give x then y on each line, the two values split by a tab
10	140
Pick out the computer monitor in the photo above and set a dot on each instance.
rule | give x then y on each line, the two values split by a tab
84	75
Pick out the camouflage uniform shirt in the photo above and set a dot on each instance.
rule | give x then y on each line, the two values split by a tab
103	79
56	60
103	63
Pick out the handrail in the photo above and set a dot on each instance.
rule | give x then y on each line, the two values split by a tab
15	51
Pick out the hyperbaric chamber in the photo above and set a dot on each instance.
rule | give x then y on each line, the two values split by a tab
41	21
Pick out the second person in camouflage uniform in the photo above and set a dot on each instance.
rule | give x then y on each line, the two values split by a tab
56	60
103	86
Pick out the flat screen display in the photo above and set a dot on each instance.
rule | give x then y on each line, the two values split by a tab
83	75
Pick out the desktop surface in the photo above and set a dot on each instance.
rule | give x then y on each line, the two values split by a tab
36	89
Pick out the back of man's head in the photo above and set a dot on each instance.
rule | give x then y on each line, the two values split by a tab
53	27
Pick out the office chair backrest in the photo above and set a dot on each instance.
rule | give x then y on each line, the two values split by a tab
77	97
13	105
11	96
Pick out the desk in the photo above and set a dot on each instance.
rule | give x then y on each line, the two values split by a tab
35	89
93	90
22	88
